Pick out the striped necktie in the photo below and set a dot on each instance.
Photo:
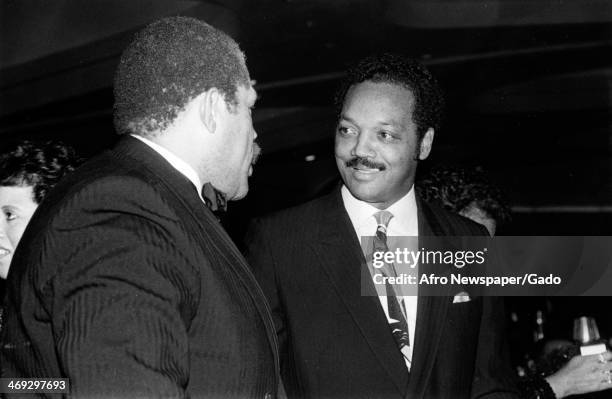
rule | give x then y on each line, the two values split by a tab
395	304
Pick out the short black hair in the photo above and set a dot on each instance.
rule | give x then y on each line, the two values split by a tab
404	71
170	62
457	188
40	165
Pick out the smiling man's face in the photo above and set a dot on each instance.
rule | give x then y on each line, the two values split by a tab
376	142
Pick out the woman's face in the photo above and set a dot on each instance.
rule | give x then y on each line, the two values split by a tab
18	206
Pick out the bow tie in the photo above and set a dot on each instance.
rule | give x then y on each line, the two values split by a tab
213	198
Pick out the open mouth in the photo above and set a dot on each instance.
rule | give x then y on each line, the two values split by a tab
362	173
255	153
365	169
4	252
364	165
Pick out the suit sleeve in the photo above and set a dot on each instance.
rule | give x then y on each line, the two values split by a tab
122	295
493	375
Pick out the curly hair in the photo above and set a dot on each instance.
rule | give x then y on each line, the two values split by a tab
457	189
170	62
404	71
38	164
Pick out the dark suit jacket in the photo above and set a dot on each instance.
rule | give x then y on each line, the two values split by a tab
126	284
336	343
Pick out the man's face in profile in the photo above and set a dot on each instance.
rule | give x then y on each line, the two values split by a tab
239	150
376	142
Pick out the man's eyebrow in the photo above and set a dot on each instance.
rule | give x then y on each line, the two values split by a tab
346	118
390	123
385	123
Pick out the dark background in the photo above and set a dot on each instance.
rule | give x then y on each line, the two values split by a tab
528	83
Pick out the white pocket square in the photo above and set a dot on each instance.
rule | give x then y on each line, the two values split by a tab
461	297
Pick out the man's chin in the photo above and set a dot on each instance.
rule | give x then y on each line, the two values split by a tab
238	197
4	267
366	192
240	194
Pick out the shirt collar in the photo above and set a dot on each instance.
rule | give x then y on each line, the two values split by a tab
177	163
404	212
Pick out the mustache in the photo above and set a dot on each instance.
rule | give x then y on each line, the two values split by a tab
357	161
256	153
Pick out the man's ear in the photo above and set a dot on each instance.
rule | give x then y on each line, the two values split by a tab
426	144
209	108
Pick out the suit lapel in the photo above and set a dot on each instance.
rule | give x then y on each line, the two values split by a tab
341	259
431	313
201	221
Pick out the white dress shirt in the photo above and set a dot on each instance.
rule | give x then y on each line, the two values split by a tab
177	163
403	223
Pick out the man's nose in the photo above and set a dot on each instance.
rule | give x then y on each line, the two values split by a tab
363	147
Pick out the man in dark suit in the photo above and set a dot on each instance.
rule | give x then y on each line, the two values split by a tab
125	282
336	340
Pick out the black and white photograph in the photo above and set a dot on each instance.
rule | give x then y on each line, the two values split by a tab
407	199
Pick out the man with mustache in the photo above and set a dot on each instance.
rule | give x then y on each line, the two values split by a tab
125	282
337	339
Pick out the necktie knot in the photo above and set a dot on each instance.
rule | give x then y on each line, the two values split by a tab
382	221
